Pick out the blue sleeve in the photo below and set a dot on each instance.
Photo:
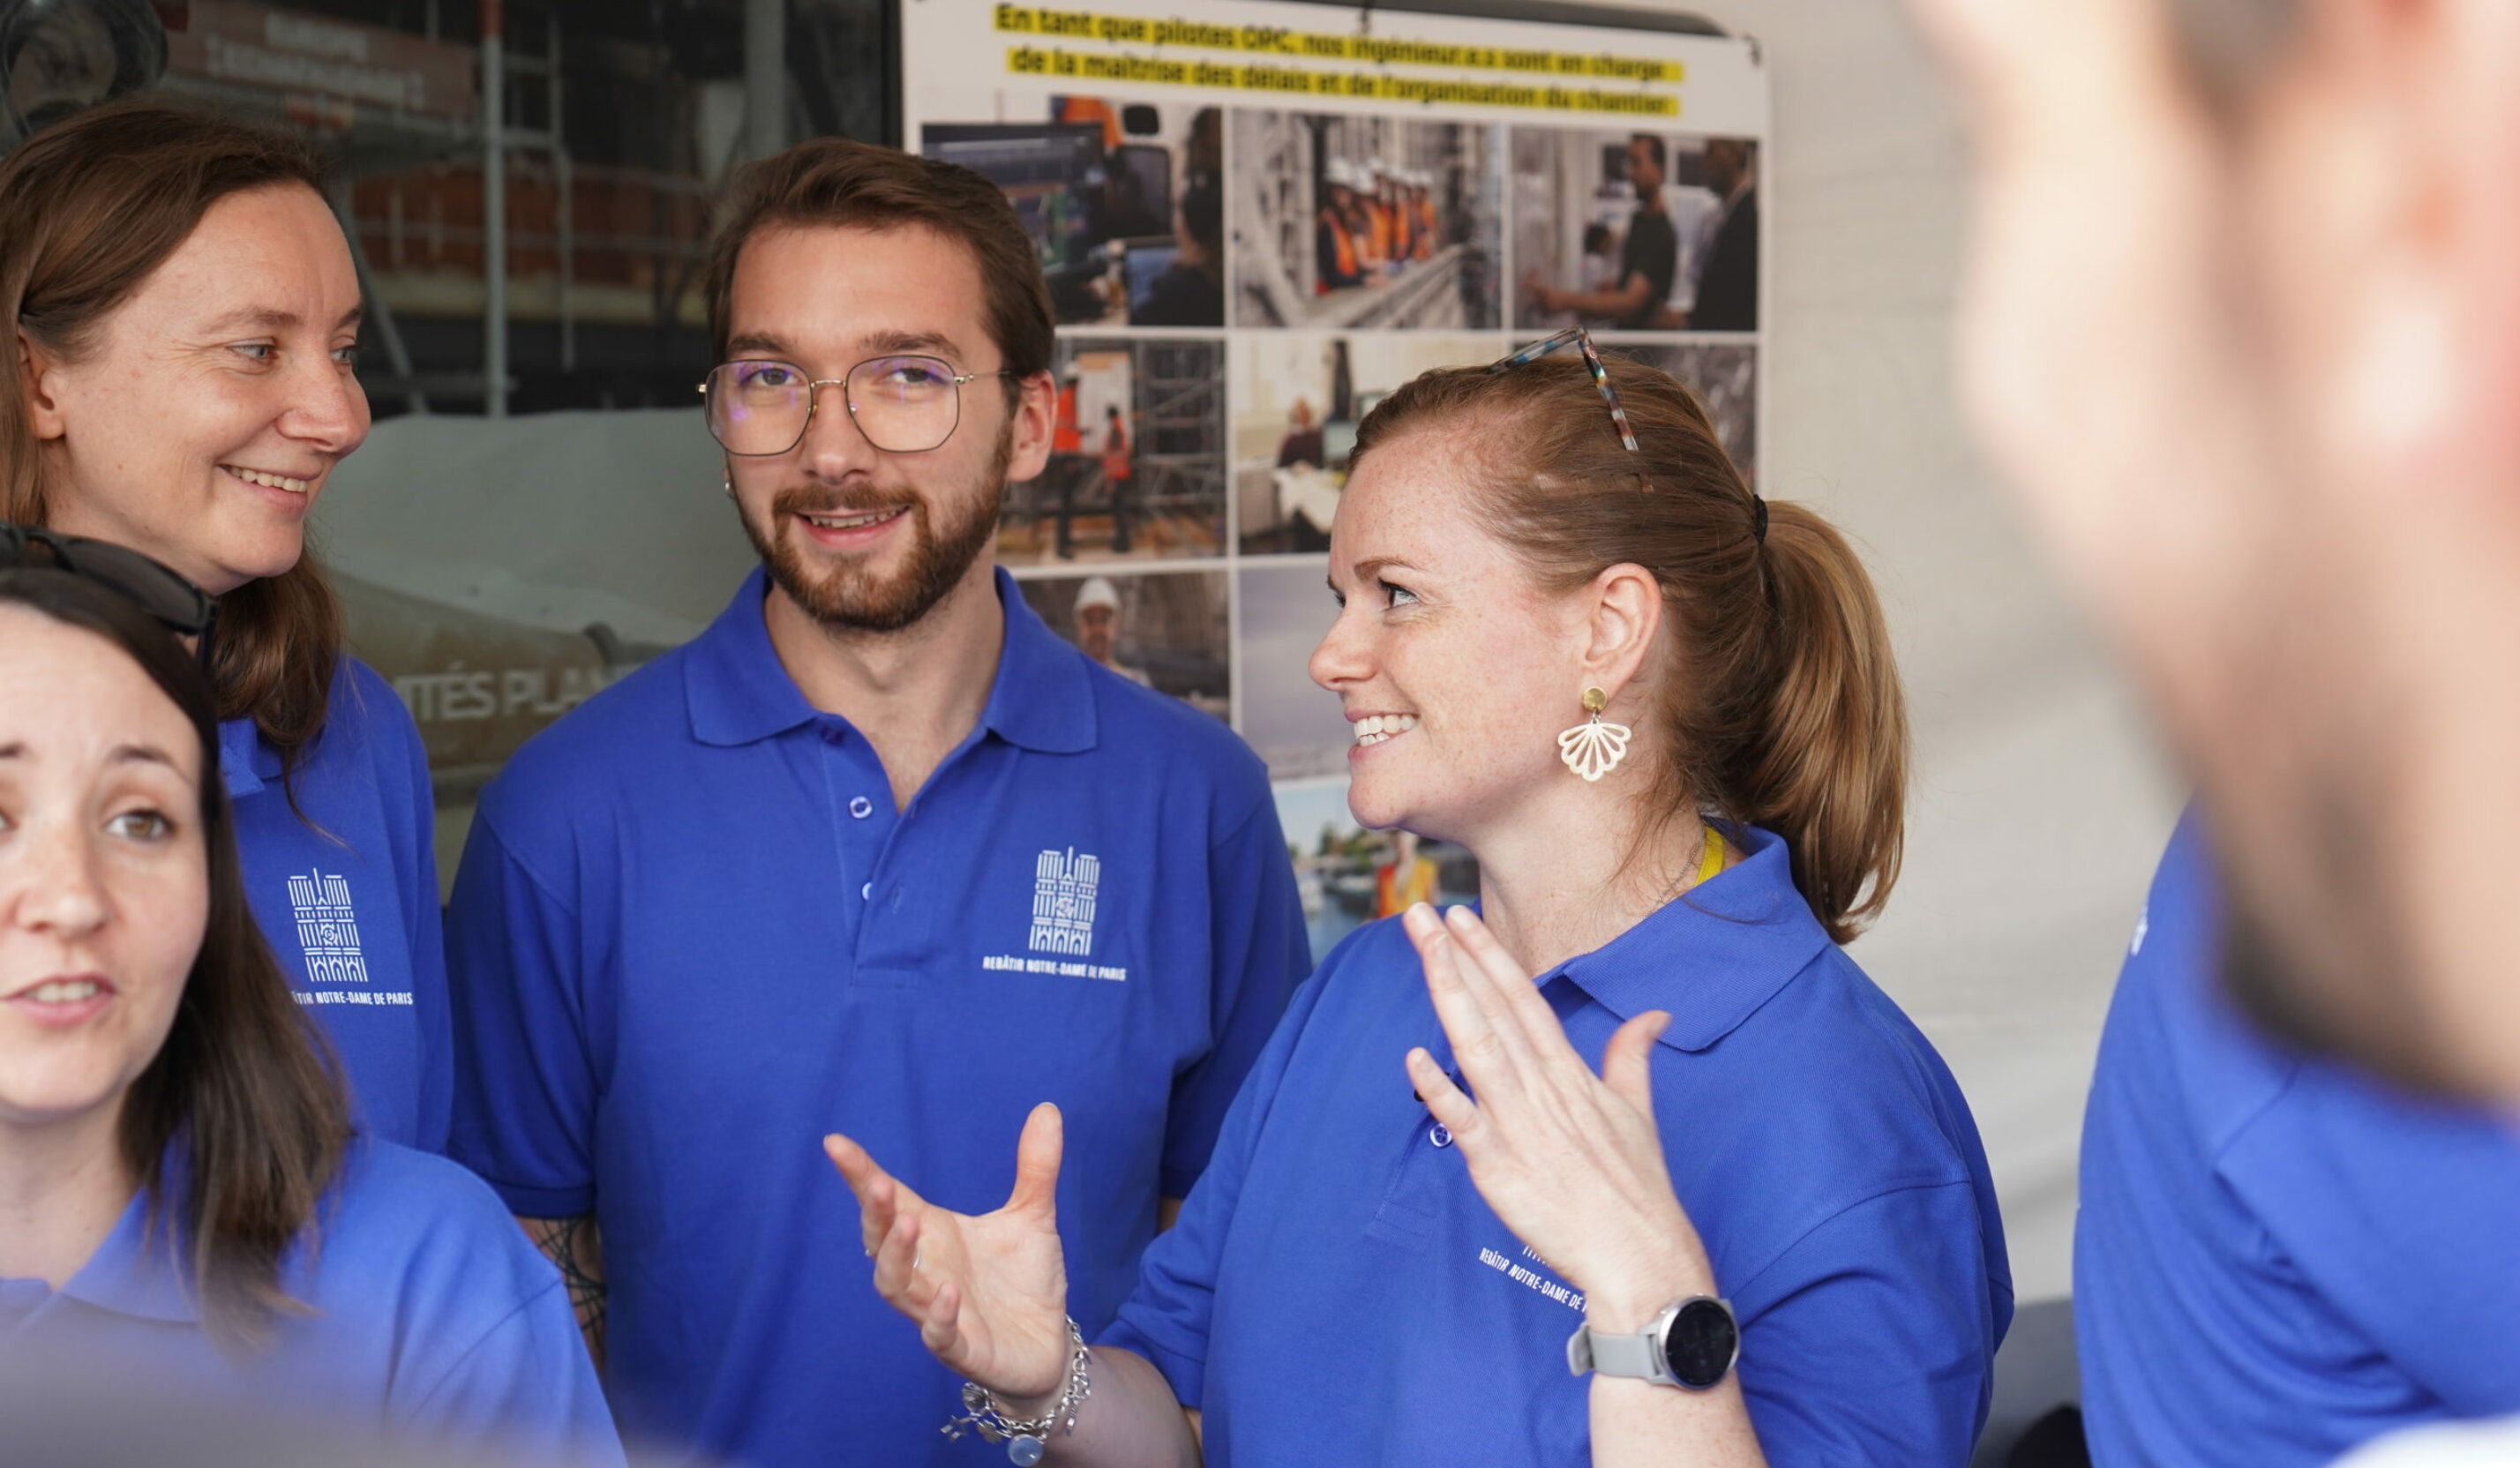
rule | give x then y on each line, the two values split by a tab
524	1388
412	808
1871	1340
2381	1204
525	1081
1167	1316
1261	951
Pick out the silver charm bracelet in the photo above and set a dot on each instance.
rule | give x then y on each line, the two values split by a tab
1025	1438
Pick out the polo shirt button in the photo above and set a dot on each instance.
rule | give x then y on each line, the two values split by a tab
865	890
861	807
1440	1134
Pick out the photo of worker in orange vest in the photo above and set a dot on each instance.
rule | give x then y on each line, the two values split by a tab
1406	219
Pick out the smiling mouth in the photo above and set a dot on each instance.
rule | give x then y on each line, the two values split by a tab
268	480
62	992
1373	728
861	521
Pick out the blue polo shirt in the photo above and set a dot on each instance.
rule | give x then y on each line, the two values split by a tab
345	886
428	1316
691	935
2276	1258
1337	1292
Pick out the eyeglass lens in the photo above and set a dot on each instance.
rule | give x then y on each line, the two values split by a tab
903	405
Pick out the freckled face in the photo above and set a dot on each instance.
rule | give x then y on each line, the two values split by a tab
104	875
204	423
1455	669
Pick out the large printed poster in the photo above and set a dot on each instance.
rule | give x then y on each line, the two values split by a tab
1258	223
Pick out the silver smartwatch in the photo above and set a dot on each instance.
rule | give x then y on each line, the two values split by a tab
1692	1344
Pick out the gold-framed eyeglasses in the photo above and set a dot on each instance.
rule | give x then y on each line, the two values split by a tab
904	404
1577	337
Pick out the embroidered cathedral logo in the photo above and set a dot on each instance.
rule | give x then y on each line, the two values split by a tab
1063	901
328	929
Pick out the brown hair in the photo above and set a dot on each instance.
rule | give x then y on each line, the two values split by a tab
834	180
244	1081
1781	705
89	208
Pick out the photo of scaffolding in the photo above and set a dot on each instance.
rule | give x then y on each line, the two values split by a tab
1137	455
1364	222
1122	201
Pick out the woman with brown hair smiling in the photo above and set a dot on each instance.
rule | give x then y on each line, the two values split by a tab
185	313
181	1196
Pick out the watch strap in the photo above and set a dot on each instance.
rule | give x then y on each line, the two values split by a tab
1639	1355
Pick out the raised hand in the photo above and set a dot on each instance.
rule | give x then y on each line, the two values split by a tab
989	1293
1571	1161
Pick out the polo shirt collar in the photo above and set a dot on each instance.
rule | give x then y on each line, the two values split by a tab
740	692
246	762
1712	956
138	1270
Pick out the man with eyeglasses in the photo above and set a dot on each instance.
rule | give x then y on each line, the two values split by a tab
878	853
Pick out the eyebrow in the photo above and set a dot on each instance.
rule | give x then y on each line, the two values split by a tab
272	319
150	754
881	343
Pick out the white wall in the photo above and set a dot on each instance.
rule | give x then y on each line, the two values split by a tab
2040	801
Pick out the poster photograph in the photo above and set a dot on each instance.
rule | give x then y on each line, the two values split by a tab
1724	377
1122	199
1303	396
1137	455
1348	875
1167	631
1364	222
1634	231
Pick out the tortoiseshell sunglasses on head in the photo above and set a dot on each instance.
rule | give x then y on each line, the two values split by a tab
1579	338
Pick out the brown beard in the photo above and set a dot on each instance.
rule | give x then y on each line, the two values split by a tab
850	599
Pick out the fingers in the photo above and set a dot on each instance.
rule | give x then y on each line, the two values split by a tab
1037	1154
1444	1099
1474	1041
1520	1012
878	1195
1627	1062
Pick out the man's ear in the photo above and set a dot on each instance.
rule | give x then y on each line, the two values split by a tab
1623	611
1036	407
43	414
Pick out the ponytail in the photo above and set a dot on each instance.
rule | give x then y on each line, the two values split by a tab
1828	771
1782	707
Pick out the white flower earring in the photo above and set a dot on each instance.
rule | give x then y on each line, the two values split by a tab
1593	748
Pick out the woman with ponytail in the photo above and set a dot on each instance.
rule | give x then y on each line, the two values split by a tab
183	313
1632	1166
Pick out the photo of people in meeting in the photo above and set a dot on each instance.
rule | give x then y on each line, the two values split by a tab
1642	231
1122	199
1349	875
1724	375
1300	399
1364	222
1166	631
1137	455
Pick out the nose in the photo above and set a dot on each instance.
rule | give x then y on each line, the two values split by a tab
1341	661
58	889
327	409
834	447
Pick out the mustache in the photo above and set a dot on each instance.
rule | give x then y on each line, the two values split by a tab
805	499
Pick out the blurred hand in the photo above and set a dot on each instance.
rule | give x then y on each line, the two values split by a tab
1538	291
1571	1161
989	1293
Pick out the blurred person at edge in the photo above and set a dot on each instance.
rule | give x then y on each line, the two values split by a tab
185	314
2242	328
182	1200
878	851
1365	1276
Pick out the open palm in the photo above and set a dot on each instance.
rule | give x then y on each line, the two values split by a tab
989	1293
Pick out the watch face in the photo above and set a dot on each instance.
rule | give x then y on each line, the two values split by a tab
1701	1344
